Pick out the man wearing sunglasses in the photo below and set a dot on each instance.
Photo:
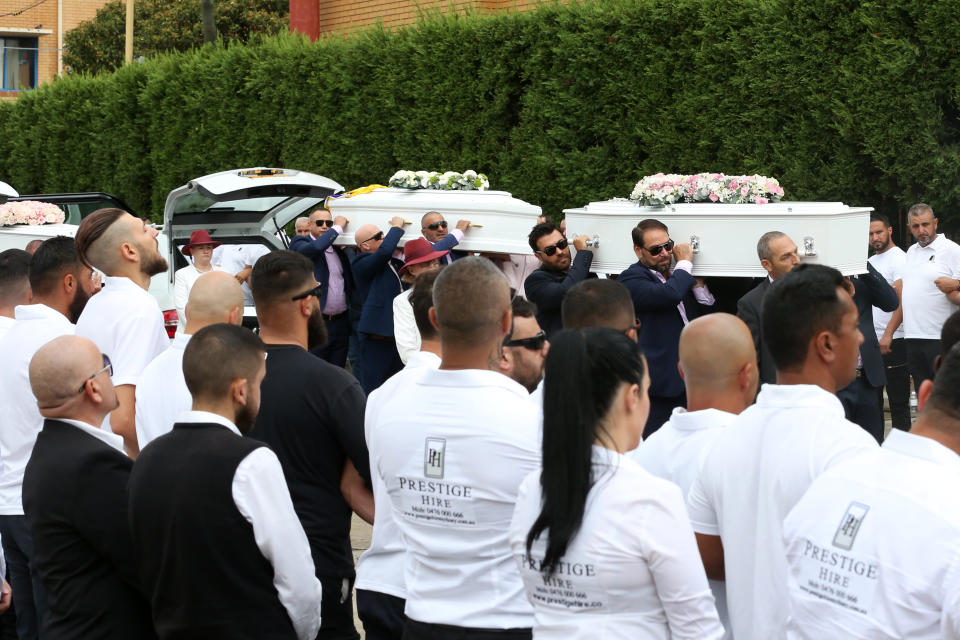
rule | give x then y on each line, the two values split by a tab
331	268
434	229
525	347
666	300
546	286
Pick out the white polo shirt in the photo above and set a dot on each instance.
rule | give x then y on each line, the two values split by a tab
631	571
756	471
20	420
890	265
162	394
381	566
675	452
452	451
874	546
925	307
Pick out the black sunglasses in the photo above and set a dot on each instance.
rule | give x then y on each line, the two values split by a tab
377	236
313	292
655	250
324	223
534	343
107	366
437	225
553	248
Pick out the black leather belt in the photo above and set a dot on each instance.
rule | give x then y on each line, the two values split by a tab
327	316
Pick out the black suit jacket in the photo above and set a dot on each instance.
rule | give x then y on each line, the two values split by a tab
546	289
75	502
872	291
750	310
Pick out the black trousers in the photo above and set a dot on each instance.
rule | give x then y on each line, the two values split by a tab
380	360
863	404
338	339
336	609
920	357
427	631
29	597
381	614
898	384
660	409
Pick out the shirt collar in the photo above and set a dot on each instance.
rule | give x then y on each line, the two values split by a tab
683	420
799	395
121	283
920	447
423	359
38	312
198	417
111	439
605	457
473	378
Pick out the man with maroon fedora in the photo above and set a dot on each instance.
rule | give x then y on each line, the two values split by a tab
200	249
419	256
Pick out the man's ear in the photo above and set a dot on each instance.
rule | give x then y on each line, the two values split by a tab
238	391
129	252
236	315
637	250
506	360
767	265
432	315
506	322
306	306
825	342
923	394
69	283
680	369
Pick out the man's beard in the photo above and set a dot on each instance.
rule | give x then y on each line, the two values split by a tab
316	330
80	298
153	264
245	419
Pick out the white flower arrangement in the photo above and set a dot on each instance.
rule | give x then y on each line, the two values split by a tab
447	181
659	190
30	212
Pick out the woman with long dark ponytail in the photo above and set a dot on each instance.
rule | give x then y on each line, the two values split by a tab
605	548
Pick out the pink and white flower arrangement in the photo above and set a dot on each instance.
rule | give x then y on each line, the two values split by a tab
469	180
660	189
31	212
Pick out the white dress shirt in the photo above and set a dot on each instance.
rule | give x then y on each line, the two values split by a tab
675	452
162	393
5	324
631	571
756	471
405	326
182	284
260	493
874	546
381	566
452	451
890	265
925	307
20	419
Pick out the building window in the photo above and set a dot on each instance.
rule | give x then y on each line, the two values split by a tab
19	63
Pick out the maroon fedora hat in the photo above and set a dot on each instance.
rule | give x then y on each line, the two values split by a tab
197	238
419	250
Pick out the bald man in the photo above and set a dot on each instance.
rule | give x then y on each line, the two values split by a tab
124	320
75	499
719	366
162	393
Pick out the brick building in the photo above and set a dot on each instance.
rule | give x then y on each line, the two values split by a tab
316	17
31	39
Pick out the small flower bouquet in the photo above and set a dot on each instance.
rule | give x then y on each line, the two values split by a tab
659	190
447	181
30	212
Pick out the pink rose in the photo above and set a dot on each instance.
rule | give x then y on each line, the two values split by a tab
759	200
714	197
744	191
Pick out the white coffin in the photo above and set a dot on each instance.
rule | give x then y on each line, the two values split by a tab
504	222
725	236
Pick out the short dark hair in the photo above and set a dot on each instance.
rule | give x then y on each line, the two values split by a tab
950	333
597	303
763	244
54	259
217	355
421	299
540	230
93	227
880	217
279	275
14	275
643	226
522	308
797	307
944	396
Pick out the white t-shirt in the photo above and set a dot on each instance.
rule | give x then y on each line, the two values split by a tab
381	566
874	546
162	394
890	265
5	324
756	471
182	284
925	307
452	451
675	452
631	571
405	326
234	258
20	419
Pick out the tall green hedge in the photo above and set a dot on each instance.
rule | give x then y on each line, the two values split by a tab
841	100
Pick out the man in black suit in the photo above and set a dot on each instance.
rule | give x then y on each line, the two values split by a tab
546	286
778	256
863	398
75	500
665	301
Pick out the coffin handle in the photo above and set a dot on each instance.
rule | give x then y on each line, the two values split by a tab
593	242
809	246
695	243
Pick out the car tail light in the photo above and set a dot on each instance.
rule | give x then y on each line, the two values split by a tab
170	321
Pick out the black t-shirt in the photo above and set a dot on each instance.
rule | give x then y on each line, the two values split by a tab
311	415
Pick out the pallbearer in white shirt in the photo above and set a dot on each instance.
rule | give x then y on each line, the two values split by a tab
760	466
605	549
872	546
451	451
162	393
719	366
123	320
